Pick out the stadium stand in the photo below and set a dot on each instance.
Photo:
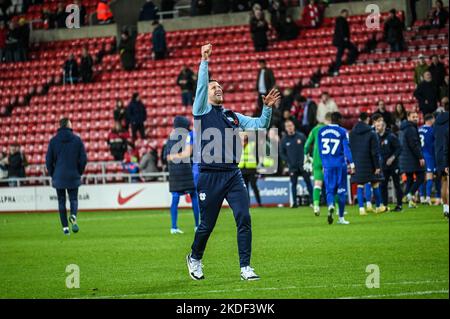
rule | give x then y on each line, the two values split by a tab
380	74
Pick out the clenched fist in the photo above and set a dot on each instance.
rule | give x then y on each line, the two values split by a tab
206	51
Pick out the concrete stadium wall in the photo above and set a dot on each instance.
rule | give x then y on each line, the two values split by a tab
127	8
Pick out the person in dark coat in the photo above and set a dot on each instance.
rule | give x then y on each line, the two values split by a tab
136	116
61	16
186	82
120	114
366	155
181	179
393	32
387	116
341	40
264	82
437	70
118	141
292	153
289	29
66	160
259	28
427	94
437	18
127	51
86	65
70	69
159	41
390	149
412	162
277	10
148	12
15	164
441	131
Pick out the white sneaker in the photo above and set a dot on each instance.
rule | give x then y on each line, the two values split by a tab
342	221
362	211
423	200
248	273
195	268
176	231
427	201
316	210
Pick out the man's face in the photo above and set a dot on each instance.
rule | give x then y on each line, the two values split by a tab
345	14
413	117
262	65
325	97
380	126
290	128
430	122
434	60
427	76
215	93
381	106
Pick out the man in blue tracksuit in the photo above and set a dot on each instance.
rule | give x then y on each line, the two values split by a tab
441	141
220	177
66	160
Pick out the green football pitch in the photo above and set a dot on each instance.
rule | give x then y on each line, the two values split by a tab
297	255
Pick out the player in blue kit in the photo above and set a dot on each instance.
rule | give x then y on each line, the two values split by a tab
426	134
335	153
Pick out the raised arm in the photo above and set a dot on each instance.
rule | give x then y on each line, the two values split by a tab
248	123
201	105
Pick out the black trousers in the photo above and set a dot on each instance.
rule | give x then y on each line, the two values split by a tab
394	174
213	188
73	199
251	180
352	54
294	180
135	128
412	186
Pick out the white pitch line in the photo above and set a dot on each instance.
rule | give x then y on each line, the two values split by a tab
266	288
402	294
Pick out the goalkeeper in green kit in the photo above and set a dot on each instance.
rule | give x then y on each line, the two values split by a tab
312	148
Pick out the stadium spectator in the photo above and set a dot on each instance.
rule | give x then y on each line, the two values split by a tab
70	70
412	162
3	35
399	116
136	116
387	116
48	18
287	99
309	116
259	28
66	160
248	166
15	163
149	164
120	114
420	69
149	11
326	105
4	5
427	94
289	29
186	81
277	10
437	70
390	151
292	153
264	82
413	10
220	6
393	32
86	65
437	18
127	51
104	14
443	91
13	53
312	15
341	40
366	155
240	5
118	141
287	116
83	11
61	16
159	41
130	162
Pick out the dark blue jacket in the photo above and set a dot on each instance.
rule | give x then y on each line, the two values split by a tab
181	179
66	159
292	151
389	146
366	153
441	127
411	148
136	113
159	39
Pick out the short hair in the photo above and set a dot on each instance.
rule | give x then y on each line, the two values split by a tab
325	93
393	11
289	120
344	11
328	116
363	116
409	113
336	117
428	117
135	96
64	122
262	61
376	117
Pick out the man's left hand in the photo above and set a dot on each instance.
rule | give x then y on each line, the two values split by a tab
272	98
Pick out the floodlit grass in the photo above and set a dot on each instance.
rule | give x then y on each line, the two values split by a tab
297	255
